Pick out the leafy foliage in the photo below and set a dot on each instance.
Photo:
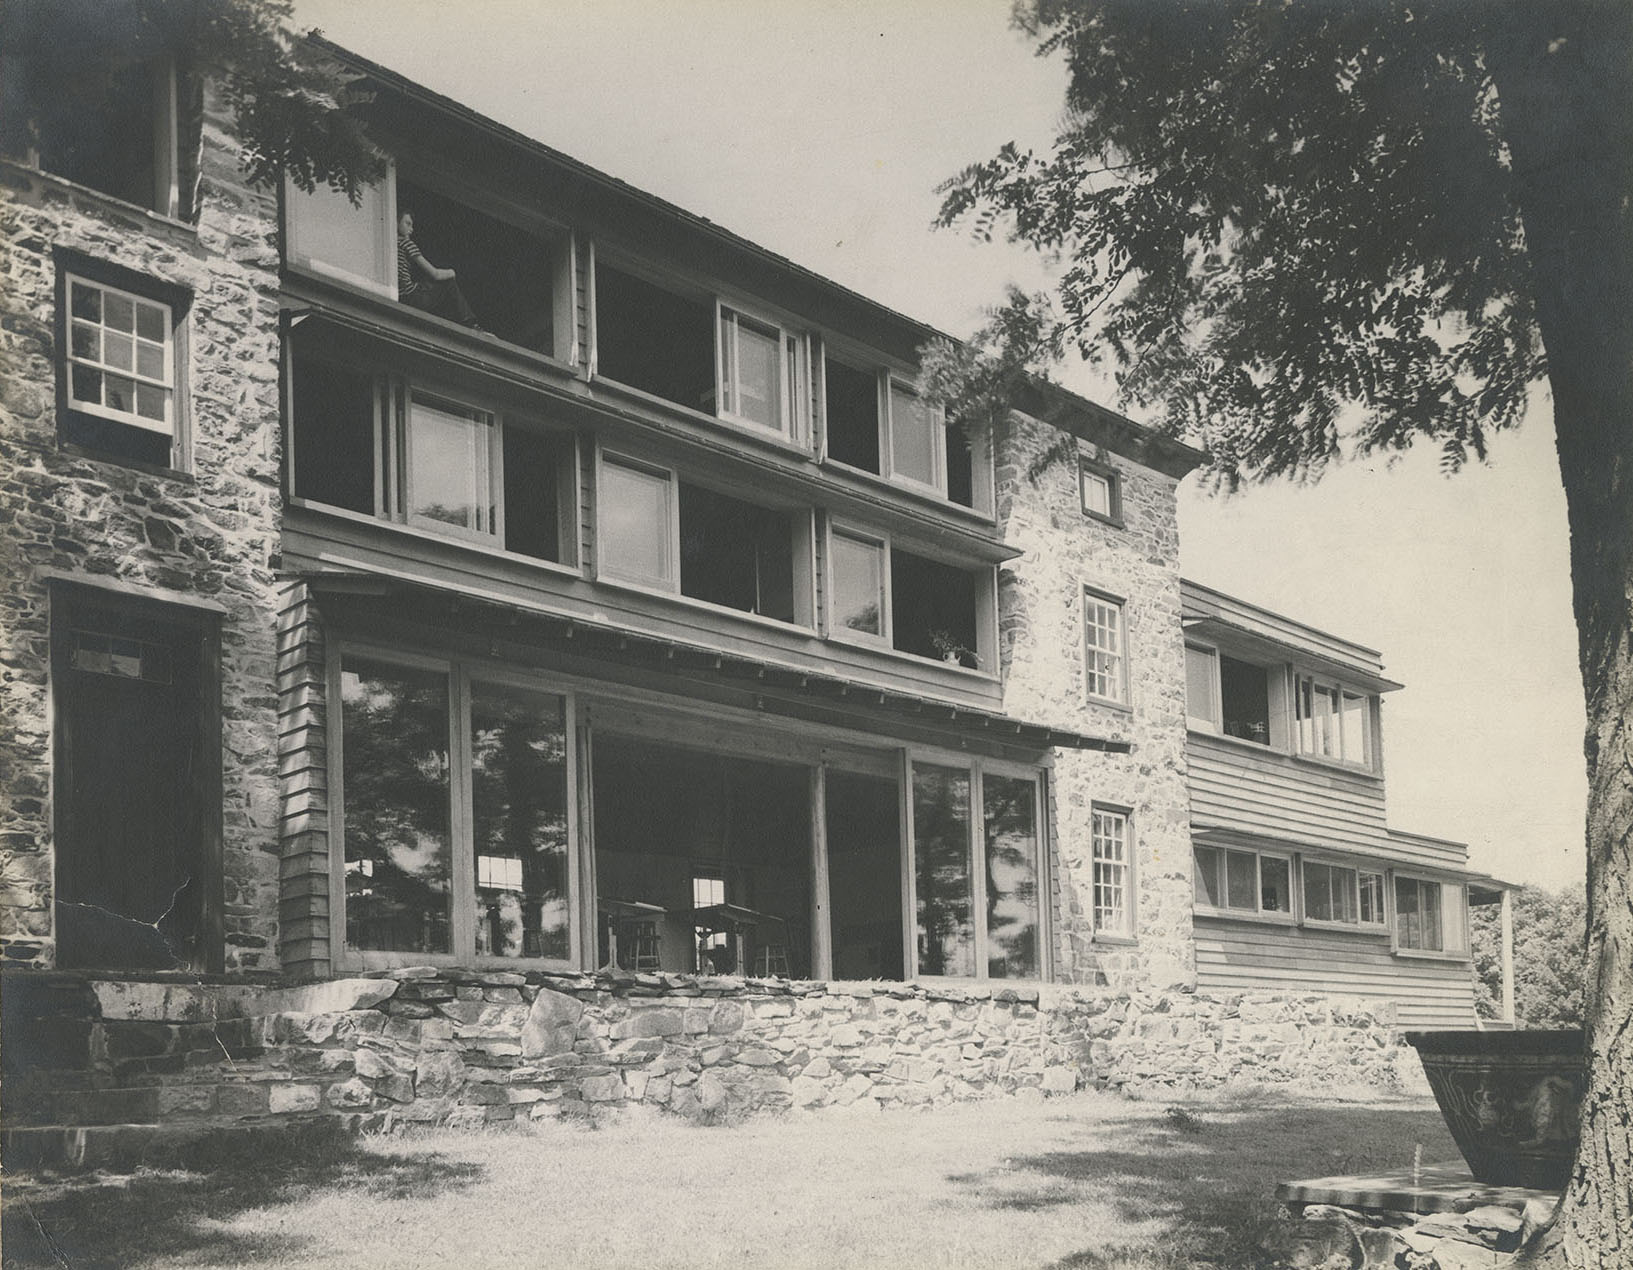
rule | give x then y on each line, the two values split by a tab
1288	226
1549	933
295	108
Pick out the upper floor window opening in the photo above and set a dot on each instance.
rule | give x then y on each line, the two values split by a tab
702	353
416	452
1229	696
1430	916
121	367
109	123
1342	894
1332	721
1101	491
882	594
411	242
876	421
1243	883
656	530
1109	834
1105	647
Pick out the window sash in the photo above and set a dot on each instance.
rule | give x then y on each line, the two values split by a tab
747	344
846	550
968	878
326	235
1110	868
123	354
915	434
635	541
1331	893
1332	721
1233	882
1202	688
1421	922
1105	668
451	450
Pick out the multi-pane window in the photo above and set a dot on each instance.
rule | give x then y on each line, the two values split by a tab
1372	899
422	877
1110	851
1105	657
976	894
1246	882
120	371
1337	893
1332	720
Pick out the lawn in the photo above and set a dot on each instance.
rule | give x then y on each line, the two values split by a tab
1090	1181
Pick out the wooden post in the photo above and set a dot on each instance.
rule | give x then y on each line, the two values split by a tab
822	952
1508	957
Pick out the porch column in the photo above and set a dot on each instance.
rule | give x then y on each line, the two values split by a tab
1507	918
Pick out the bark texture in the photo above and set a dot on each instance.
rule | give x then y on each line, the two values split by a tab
1566	89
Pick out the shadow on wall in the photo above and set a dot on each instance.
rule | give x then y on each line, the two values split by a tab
173	1217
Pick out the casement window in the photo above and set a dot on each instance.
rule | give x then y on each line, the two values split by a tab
1429	916
1332	721
876	422
121	371
976	867
326	234
1101	491
1111	851
414	452
1236	883
703	353
454	812
1105	661
1228	696
881	594
104	123
657	531
1340	894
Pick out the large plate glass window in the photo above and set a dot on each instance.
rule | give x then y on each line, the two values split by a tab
976	866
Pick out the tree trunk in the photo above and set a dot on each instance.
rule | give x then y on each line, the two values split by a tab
1564	75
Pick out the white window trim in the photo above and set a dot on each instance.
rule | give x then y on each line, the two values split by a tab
793	373
166	427
1257	913
1357	869
380	204
845	634
1211	723
1111	479
889	382
489	454
461	674
978	769
1317	682
666	585
1121	698
1126	933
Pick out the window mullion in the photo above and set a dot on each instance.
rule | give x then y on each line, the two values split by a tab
462	881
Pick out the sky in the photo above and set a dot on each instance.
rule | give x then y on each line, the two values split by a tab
821	128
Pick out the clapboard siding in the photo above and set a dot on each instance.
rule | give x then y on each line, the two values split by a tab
1256	957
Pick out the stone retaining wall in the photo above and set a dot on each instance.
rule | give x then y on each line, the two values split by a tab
430	1046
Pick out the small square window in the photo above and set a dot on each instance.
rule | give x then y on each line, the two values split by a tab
1101	491
120	372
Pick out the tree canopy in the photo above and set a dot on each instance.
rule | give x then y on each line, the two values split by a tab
1549	927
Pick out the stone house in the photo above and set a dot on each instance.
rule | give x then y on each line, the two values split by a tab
639	694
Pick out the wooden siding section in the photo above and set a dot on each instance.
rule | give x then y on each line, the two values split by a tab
1200	603
303	787
1258	957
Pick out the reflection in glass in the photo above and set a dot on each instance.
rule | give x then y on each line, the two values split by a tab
519	821
1240	880
1009	806
449	476
941	842
395	778
859	588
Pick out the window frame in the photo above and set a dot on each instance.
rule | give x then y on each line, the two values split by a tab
176	302
793	392
1112	479
1125	931
1121	696
461	675
881	542
667	583
977	769
1316	683
379	203
1453	920
1258	913
490	454
889	383
1357	870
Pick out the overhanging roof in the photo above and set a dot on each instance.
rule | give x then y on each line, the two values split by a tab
776	688
1240	638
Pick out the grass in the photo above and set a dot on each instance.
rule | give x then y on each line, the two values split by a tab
1089	1182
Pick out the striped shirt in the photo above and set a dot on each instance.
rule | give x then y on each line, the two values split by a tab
409	262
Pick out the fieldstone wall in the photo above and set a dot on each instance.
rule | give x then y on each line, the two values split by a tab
1040	607
433	1046
209	535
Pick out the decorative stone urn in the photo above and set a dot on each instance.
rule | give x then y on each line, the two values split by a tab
1511	1099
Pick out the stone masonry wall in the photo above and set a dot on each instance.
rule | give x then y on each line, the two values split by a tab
427	1046
209	536
1041	632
